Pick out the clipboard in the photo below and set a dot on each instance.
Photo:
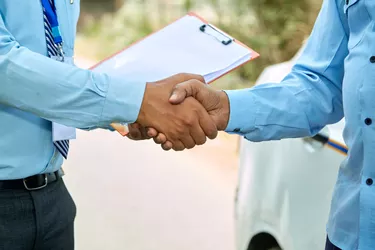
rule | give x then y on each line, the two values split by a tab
187	45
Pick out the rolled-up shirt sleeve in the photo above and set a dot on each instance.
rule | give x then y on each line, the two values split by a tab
63	93
309	97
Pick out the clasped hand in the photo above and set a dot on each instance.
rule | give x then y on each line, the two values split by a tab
180	112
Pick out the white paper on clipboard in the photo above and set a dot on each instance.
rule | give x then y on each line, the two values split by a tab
188	45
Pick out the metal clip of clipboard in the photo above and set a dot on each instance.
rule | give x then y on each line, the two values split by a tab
214	32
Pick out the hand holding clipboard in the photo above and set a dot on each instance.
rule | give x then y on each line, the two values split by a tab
188	45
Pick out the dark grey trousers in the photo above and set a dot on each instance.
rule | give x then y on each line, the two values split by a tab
37	220
330	246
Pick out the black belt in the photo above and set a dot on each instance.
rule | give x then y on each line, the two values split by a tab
32	183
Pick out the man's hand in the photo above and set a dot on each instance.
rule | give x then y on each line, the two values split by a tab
184	125
215	102
137	133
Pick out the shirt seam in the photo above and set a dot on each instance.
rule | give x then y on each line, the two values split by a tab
334	55
104	104
320	80
341	20
256	115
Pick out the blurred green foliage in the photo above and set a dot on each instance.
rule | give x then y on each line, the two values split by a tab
277	30
274	28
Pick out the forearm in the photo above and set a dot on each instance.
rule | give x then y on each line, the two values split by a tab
287	110
64	93
309	98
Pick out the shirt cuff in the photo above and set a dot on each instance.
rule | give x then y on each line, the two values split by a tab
243	111
123	101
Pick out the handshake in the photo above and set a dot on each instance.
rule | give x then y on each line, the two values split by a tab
180	112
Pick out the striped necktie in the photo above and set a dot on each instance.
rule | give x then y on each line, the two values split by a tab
56	52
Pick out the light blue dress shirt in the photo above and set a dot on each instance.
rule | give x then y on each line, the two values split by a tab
334	76
36	90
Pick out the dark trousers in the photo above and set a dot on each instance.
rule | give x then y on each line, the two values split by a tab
330	246
37	220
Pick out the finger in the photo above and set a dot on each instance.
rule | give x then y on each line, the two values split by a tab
134	132
160	139
178	146
198	134
207	125
183	90
151	132
167	145
144	134
188	142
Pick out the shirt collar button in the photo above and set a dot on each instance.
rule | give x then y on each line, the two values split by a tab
368	121
369	181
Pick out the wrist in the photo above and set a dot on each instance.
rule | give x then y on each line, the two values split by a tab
142	116
224	111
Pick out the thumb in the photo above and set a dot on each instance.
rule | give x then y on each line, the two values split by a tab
184	90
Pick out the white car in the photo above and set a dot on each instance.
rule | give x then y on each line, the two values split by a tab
285	187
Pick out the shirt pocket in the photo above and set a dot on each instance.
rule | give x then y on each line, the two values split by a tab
358	21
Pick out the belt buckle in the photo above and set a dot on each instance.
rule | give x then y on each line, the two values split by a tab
36	188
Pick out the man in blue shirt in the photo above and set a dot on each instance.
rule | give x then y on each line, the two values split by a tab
334	76
43	99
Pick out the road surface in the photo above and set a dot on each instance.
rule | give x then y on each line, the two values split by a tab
132	195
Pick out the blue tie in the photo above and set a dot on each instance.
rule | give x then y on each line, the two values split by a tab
54	51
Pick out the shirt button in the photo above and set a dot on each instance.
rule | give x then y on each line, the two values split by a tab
368	121
369	181
372	59
347	2
237	130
